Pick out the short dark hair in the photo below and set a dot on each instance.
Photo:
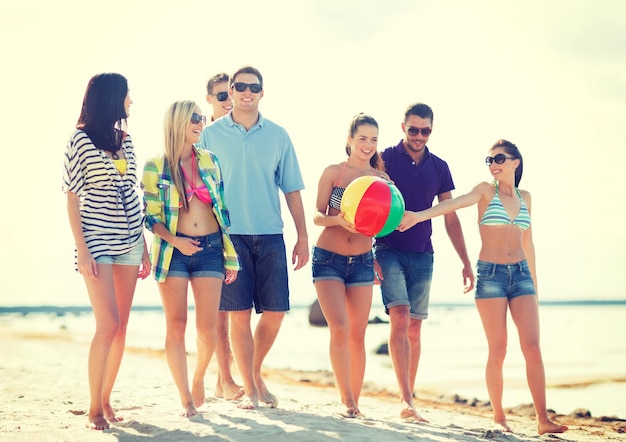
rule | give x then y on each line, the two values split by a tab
419	109
246	70
215	79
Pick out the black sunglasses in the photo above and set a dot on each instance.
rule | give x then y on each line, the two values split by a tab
196	118
426	131
498	159
221	96
255	88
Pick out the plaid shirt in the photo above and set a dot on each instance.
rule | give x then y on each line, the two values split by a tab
161	205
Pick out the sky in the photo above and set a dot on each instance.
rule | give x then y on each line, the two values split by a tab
548	76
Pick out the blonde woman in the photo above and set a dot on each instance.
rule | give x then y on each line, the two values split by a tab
185	209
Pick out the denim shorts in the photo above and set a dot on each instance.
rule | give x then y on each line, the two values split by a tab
503	280
207	263
262	281
132	258
407	277
353	271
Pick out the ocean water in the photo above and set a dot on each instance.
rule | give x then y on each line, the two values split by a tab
582	342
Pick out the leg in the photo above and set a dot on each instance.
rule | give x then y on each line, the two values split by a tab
206	292
358	304
124	282
493	316
174	298
264	336
243	348
225	386
404	354
525	314
332	298
102	296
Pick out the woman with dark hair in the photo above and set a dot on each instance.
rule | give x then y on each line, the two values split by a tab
105	217
507	277
343	264
185	209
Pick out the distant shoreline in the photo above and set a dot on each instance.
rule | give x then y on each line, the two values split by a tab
76	309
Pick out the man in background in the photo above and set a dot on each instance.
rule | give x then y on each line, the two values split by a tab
226	387
404	260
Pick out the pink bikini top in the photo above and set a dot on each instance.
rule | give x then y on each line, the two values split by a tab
202	192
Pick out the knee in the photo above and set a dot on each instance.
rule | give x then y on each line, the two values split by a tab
176	328
207	336
497	354
531	351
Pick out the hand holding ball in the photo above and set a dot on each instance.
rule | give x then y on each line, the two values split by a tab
373	205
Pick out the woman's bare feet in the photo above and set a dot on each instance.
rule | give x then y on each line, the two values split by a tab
409	413
248	403
547	426
351	413
97	423
197	392
265	395
109	414
501	425
189	411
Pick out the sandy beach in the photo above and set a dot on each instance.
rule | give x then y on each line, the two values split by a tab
44	396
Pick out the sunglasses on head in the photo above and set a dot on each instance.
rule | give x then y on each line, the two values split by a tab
426	131
221	96
498	159
255	88
196	118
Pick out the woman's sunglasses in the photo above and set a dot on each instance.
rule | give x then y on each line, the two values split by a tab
426	131
255	88
196	118
221	96
498	159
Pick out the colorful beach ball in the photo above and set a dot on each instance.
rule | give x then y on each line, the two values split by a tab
373	205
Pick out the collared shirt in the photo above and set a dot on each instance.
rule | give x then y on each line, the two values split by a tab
255	164
110	209
161	204
419	184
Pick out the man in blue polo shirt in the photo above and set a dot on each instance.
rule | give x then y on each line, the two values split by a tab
404	260
257	160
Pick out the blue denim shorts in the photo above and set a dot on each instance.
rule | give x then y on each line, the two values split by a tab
503	280
407	279
132	258
353	271
262	281
207	263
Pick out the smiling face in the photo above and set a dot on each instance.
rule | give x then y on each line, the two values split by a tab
192	135
506	170
364	142
416	143
220	108
246	100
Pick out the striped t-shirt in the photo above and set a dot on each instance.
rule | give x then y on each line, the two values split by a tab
110	208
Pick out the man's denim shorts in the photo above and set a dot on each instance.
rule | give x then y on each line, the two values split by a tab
132	258
262	281
503	280
207	263
353	271
407	277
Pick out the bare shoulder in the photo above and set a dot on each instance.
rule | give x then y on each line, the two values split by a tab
525	196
